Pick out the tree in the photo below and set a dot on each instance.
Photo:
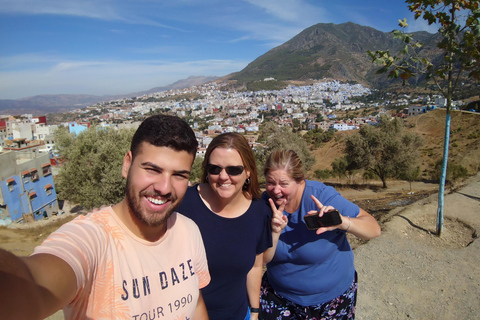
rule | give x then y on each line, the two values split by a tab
196	172
459	22
384	151
341	167
92	171
275	137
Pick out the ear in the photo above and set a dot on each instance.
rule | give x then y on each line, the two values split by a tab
127	162
248	173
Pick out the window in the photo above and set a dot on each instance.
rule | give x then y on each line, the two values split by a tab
48	189
47	169
32	194
26	176
10	184
34	174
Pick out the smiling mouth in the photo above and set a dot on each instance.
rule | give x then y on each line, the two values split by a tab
225	185
156	201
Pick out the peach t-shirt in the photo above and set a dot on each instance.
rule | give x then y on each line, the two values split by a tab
120	276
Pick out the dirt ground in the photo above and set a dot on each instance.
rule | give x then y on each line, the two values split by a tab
406	273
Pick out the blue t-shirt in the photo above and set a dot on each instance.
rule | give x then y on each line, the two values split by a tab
310	269
231	245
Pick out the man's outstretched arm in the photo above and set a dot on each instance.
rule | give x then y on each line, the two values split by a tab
34	287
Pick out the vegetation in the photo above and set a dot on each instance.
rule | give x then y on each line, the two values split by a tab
91	173
196	172
266	85
275	137
316	137
459	30
387	151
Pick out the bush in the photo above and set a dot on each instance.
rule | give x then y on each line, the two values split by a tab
323	174
454	171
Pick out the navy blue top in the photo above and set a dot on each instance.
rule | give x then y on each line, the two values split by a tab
231	245
307	268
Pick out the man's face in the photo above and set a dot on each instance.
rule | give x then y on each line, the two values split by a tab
157	180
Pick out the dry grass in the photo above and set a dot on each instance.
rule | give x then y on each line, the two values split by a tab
464	141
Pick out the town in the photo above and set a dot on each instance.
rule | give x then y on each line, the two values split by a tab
30	160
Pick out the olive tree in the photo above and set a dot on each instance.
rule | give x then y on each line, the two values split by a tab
385	151
275	137
91	174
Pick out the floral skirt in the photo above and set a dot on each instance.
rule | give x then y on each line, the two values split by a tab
275	307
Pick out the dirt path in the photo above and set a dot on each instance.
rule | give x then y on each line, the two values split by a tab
409	273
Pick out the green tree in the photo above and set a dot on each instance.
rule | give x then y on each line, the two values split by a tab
384	151
196	172
322	174
340	167
412	173
316	137
92	171
275	137
459	22
319	118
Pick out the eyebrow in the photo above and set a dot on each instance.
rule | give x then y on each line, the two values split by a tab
154	166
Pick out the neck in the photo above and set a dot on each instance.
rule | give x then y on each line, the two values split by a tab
137	227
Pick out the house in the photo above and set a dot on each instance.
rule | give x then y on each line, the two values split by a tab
27	190
416	110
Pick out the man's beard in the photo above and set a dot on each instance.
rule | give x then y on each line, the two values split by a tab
150	220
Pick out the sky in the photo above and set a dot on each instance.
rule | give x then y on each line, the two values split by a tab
109	47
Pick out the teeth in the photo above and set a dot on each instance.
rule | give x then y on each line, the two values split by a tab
155	201
278	197
225	185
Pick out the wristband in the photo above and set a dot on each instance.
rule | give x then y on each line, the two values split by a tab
254	310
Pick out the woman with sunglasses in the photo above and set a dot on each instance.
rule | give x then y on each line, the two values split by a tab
235	226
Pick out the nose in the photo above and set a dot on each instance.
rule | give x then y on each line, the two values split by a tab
276	189
223	174
163	185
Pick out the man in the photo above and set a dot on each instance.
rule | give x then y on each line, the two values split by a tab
135	260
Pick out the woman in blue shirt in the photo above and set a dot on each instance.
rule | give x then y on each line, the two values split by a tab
310	274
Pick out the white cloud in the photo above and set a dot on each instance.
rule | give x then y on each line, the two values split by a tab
126	12
92	9
106	77
294	11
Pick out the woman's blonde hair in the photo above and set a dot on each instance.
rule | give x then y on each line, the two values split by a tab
286	160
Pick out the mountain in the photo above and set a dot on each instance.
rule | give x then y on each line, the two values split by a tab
184	83
53	103
330	51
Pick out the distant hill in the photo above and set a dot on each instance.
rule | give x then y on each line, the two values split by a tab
330	51
53	103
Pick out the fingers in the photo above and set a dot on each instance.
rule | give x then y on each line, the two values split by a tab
320	206
317	202
272	204
279	220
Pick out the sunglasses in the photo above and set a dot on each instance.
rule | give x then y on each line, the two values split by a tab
231	170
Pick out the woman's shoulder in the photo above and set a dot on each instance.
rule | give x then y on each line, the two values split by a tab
261	207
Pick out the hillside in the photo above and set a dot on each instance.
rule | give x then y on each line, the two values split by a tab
56	103
331	51
464	141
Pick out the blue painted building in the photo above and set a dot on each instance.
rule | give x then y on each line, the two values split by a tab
26	188
77	128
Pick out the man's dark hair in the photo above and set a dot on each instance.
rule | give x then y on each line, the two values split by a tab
165	131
